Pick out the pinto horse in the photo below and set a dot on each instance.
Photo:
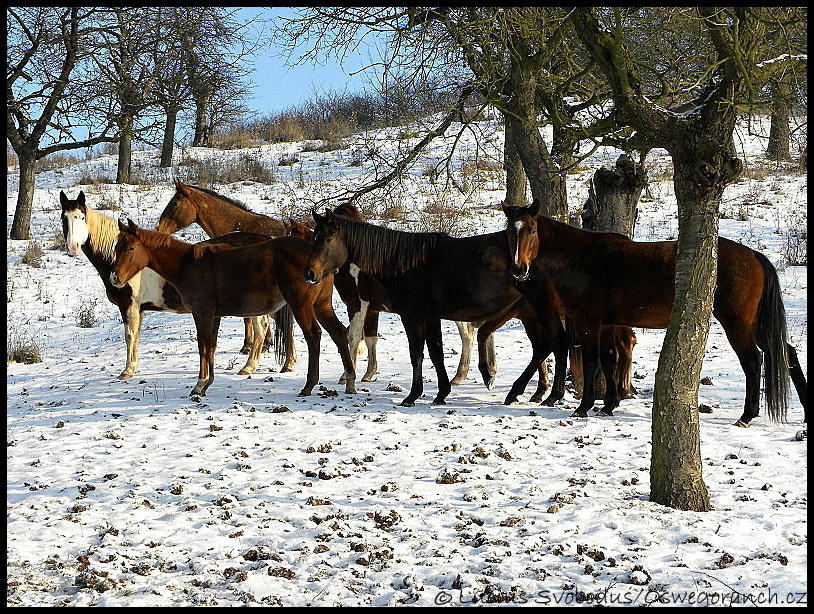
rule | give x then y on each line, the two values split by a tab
605	278
96	234
218	215
430	276
245	281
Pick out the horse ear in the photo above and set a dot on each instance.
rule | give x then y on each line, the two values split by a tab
81	198
122	226
317	217
131	226
62	198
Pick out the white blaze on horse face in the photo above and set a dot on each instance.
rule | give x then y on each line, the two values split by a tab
518	226
77	231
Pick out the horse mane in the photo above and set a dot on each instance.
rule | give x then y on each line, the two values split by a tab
226	199
103	232
385	251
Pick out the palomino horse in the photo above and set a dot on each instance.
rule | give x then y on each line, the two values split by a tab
428	277
95	234
218	215
604	278
243	281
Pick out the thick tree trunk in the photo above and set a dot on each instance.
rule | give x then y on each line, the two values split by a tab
21	225
123	174
515	174
169	138
779	135
675	469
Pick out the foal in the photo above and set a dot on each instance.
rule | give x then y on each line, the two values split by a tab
95	234
246	281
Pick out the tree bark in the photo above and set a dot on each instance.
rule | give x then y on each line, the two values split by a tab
21	225
779	134
513	164
168	143
123	174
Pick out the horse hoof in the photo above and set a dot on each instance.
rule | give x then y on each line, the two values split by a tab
439	402
125	376
604	412
406	403
286	370
579	413
244	350
740	423
369	378
489	383
510	399
244	372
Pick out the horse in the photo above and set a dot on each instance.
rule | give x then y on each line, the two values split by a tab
428	277
254	280
218	214
608	279
95	234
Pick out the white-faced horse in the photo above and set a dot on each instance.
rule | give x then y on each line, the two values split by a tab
95	234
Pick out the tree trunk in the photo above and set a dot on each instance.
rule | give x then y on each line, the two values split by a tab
21	225
515	175
123	174
675	469
613	196
201	136
779	135
169	138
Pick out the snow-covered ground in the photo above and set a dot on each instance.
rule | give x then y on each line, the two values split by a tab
129	493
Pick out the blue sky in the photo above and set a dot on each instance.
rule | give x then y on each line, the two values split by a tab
278	87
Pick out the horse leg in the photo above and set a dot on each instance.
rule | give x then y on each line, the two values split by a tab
487	364
248	339
354	333
371	338
291	348
207	326
608	360
327	317
467	332
589	344
798	378
751	361
435	348
415	330
131	318
312	332
259	328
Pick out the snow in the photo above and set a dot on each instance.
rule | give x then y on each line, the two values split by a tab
132	493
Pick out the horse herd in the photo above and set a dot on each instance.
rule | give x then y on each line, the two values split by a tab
541	271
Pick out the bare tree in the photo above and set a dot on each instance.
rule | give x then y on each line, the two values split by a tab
701	146
46	96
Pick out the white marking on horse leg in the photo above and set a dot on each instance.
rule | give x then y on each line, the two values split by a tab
355	334
132	335
372	361
467	332
258	326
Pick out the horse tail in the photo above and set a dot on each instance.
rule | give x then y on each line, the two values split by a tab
772	337
284	333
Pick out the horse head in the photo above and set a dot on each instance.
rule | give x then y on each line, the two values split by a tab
179	213
131	255
328	250
521	231
74	222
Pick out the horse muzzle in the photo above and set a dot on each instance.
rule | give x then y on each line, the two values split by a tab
73	249
311	277
520	272
114	279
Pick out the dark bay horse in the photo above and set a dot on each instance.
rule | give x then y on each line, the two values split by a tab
95	234
604	278
428	277
218	215
253	280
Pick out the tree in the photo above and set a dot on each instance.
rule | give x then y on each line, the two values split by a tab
46	97
704	158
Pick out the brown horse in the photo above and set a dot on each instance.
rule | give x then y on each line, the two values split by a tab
245	281
218	215
604	278
96	234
